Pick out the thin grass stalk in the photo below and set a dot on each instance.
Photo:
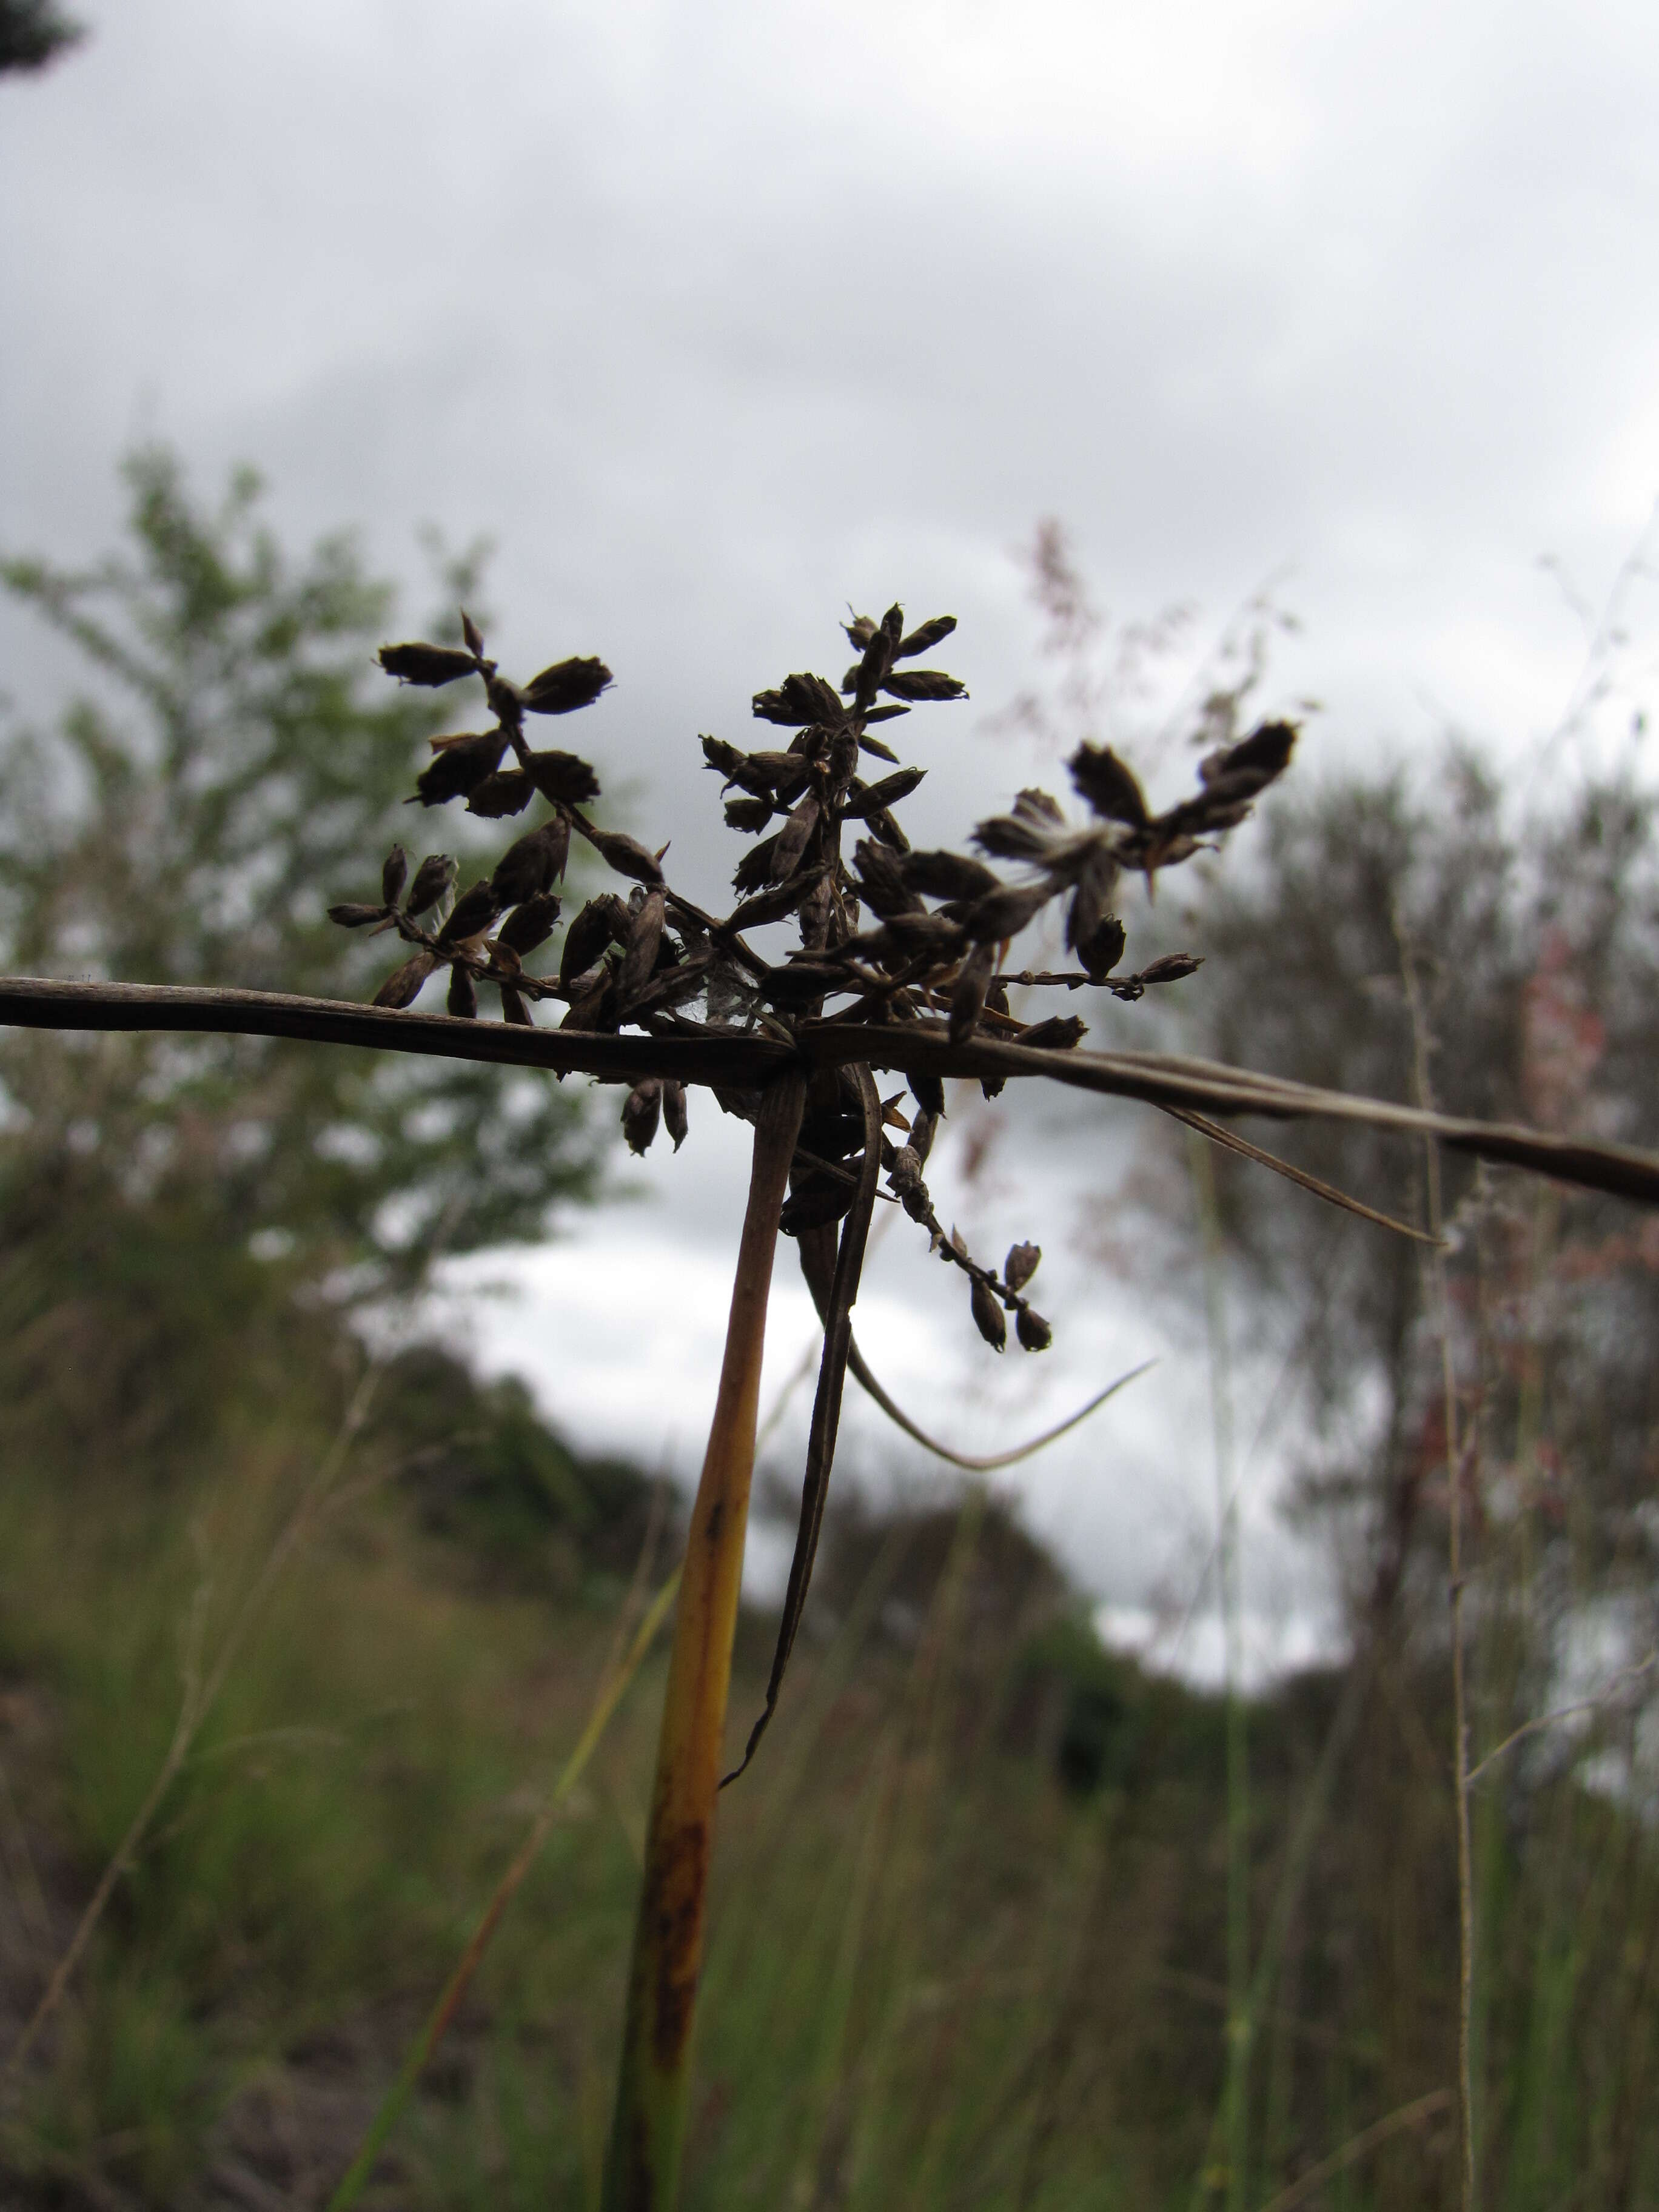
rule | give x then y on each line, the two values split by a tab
612	1690
1237	2083
1436	1261
647	2134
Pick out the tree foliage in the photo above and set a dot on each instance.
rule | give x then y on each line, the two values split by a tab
231	756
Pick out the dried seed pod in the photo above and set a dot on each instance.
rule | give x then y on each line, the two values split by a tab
463	1000
798	702
923	684
967	996
508	791
432	879
402	985
749	815
431	665
989	1318
1033	1331
1102	948
948	875
350	916
924	637
1021	1265
565	686
1256	760
530	924
640	947
870	799
1029	832
625	855
923	1130
859	631
471	915
791	840
514	1009
1005	912
1109	785
1060	1033
564	779
641	1110
1170	967
460	766
533	864
754	870
603	920
472	633
674	1112
992	1087
725	759
394	871
814	1202
928	1091
592	1002
773	905
884	887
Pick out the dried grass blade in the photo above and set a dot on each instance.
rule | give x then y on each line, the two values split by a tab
843	1289
1231	1142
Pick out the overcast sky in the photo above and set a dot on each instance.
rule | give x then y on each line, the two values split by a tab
715	318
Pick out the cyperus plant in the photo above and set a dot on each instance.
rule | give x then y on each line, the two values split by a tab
900	964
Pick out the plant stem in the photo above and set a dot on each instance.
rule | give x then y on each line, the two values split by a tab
643	2169
1468	2179
1240	2021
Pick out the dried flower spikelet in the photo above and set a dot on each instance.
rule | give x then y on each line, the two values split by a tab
565	686
1109	785
1033	1331
394	871
1021	1265
514	1009
432	879
641	1110
562	779
909	1189
674	1112
1060	1033
1170	967
988	1316
967	995
626	855
430	664
1100	947
923	1130
402	985
353	916
462	999
472	633
459	766
1003	913
472	915
533	864
642	944
508	791
530	924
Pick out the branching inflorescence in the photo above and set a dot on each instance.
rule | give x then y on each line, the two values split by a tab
890	935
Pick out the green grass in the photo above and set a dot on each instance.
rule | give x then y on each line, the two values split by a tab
970	1939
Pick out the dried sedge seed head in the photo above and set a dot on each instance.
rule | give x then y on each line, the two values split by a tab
968	994
1033	1331
530	925
565	686
514	1009
432	879
353	916
471	915
393	872
562	779
1170	967
472	633
923	1130
459	765
626	855
402	986
640	1113
1101	948
925	637
1109	785
1060	1033
533	864
462	999
923	684
508	791
1004	913
430	664
1021	1265
674	1112
988	1316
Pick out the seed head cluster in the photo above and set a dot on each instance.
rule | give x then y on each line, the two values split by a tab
885	933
